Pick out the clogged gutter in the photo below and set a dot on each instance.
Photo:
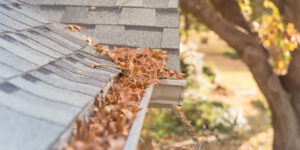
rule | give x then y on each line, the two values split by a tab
113	115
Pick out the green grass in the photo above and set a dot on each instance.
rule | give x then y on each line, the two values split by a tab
231	55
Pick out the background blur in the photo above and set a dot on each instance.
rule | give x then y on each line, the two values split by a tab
223	107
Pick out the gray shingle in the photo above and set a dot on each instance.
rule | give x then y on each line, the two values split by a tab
156	3
33	98
59	38
129	36
78	42
88	31
73	77
38	107
53	13
137	16
19	17
8	88
173	60
107	34
103	16
3	2
12	1
47	42
65	83
29	12
9	22
166	18
75	14
12	60
131	3
39	2
173	63
143	36
96	56
23	51
90	50
173	4
73	2
33	85
89	62
35	45
4	28
6	71
83	70
16	129
170	38
103	3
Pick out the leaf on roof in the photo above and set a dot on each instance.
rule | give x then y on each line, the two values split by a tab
73	28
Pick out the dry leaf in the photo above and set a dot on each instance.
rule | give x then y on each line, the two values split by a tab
109	125
73	28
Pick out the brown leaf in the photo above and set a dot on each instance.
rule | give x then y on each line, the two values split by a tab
73	28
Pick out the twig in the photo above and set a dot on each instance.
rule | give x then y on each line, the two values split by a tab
189	143
196	143
107	65
123	3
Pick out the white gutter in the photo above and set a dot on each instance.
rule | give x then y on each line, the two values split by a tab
168	93
165	94
134	133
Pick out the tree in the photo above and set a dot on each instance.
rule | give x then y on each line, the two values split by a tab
226	18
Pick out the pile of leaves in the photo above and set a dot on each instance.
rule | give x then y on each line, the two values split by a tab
113	115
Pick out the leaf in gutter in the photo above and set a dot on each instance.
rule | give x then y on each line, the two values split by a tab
114	114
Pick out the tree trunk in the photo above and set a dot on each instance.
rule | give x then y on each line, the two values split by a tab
282	95
284	119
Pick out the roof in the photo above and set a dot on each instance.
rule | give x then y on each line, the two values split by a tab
45	78
131	23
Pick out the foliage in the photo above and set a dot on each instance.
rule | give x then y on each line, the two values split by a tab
262	104
189	23
278	37
231	55
214	116
163	127
197	117
256	49
193	67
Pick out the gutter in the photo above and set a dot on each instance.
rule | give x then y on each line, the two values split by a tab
61	142
165	94
136	128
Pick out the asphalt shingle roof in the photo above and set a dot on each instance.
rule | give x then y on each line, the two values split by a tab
45	78
45	74
131	23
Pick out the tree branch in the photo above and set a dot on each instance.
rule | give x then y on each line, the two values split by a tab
253	54
231	11
290	80
279	4
232	34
